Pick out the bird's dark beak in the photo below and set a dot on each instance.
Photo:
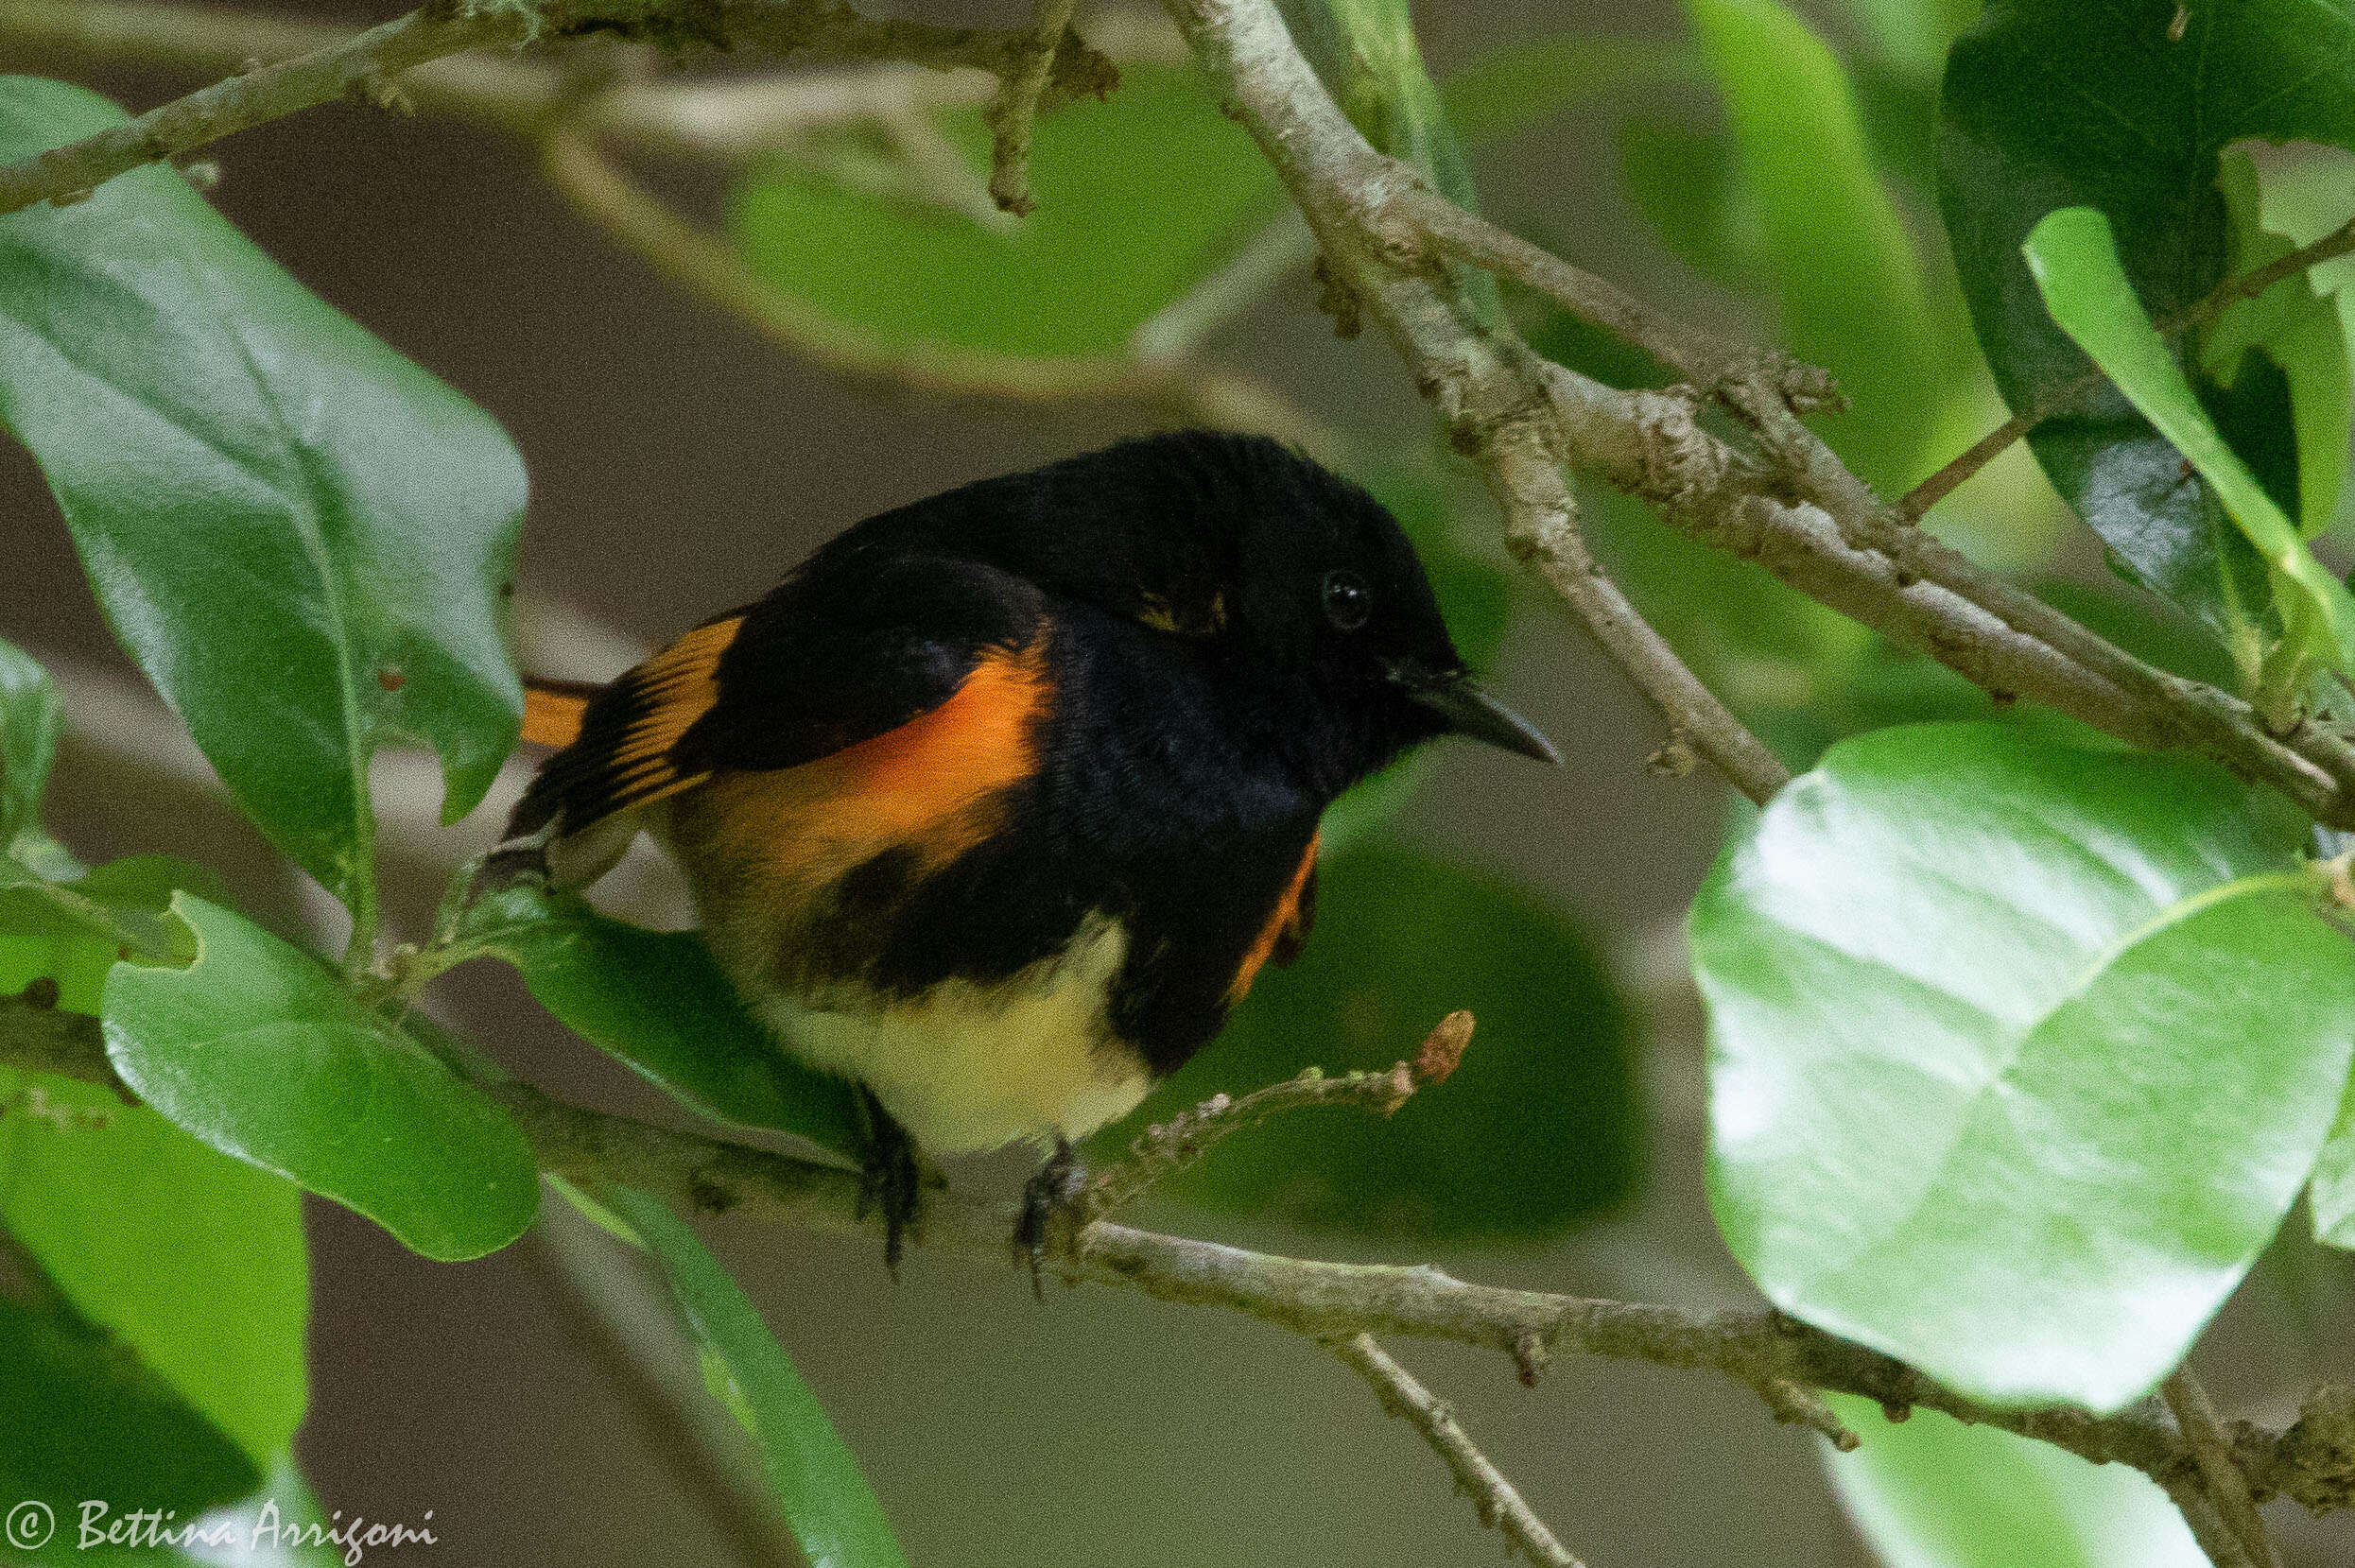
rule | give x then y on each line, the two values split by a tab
1471	709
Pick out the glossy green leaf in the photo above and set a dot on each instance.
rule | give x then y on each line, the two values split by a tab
31	718
1538	1129
1840	263
303	539
816	1480
256	1050
2295	330
2059	103
656	1001
2332	1198
2075	265
193	1262
2018	1052
1077	277
1932	1493
82	1418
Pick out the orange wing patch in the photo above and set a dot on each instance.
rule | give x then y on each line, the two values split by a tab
1287	929
765	841
668	693
553	714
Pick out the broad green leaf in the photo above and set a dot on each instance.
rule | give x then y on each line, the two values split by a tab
1842	267
1932	1493
1077	277
2332	1196
817	1486
31	718
303	539
192	1261
2075	265
1686	184
2018	1052
656	1001
2059	103
257	1051
1538	1129
82	1418
2298	331
1910	37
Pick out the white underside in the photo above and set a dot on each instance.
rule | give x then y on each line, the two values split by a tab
964	1068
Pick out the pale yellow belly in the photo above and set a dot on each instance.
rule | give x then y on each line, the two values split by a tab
965	1069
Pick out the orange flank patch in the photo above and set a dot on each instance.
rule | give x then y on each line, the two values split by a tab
932	786
1287	926
551	718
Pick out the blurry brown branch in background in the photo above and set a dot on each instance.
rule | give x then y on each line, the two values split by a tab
1499	1504
370	64
2312	1461
570	109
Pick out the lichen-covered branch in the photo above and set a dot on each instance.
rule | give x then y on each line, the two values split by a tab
2314	1461
370	65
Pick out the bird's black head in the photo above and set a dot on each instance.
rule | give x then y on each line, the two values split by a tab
1298	593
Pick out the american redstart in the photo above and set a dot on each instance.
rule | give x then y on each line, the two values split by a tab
1000	802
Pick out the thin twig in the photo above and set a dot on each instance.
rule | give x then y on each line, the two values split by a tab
2312	1463
1160	1152
2247	286
1706	361
2209	1531
369	63
1013	114
365	64
1497	1501
2227	1488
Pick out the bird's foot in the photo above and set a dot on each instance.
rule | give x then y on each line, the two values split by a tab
891	1176
1054	1194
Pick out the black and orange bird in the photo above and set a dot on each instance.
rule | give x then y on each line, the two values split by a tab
1000	802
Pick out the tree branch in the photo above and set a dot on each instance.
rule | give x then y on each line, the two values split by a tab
2226	1486
1013	113
1499	1504
367	64
2312	1463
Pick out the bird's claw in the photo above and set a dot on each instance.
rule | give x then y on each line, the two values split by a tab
891	1176
1054	1192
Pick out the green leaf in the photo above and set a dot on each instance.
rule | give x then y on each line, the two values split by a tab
2059	103
302	538
30	717
82	1418
1538	1129
2332	1194
1850	288
1932	1493
192	1261
258	1052
1686	185
2019	1053
656	1001
817	1486
2075	265
1077	277
2299	331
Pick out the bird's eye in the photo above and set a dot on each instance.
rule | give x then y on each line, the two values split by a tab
1347	601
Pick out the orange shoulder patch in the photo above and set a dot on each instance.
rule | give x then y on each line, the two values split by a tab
932	786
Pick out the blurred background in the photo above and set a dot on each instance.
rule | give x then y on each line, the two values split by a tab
685	455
